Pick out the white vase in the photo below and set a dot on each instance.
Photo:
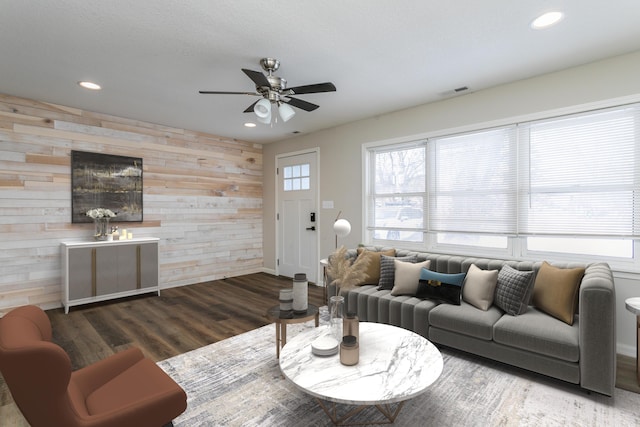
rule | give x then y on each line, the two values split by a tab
300	293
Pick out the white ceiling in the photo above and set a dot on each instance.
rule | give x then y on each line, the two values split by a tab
152	56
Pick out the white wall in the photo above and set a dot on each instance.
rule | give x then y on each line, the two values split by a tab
341	147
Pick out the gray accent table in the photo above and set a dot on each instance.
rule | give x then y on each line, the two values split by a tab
633	305
101	270
395	365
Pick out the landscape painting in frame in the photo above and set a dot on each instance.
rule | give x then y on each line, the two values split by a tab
106	181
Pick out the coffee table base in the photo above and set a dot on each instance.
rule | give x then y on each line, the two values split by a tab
390	412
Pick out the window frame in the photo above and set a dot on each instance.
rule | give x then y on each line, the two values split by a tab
516	246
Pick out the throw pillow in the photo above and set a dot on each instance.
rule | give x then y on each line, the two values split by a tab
407	277
372	272
513	290
555	291
388	270
440	286
479	287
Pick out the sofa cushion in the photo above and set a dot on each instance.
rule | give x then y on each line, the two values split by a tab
555	291
356	300
538	332
465	319
375	312
479	287
388	270
440	286
513	290
407	277
372	272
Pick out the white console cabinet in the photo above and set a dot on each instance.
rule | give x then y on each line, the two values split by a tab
98	271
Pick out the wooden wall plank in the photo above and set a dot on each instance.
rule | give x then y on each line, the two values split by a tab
202	197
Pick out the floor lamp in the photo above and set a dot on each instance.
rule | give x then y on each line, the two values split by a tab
341	227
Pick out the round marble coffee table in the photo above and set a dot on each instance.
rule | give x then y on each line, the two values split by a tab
395	365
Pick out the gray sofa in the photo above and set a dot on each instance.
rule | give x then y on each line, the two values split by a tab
583	353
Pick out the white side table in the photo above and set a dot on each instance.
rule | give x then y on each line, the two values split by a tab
633	305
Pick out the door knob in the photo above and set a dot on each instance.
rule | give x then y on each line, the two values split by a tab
312	228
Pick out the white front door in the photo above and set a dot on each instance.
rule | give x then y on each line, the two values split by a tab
297	216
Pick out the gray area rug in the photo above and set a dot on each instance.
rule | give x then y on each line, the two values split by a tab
237	382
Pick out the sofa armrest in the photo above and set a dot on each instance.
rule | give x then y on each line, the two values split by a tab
597	310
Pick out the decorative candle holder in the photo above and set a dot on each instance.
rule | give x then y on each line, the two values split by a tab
349	350
286	301
351	325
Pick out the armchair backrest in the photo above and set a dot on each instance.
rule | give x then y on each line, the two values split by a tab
36	370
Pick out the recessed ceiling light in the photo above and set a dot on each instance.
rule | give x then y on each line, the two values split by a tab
90	85
250	125
546	20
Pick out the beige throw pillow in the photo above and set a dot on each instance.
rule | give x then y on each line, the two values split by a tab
479	287
556	289
407	277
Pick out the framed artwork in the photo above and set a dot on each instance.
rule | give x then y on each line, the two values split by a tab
106	181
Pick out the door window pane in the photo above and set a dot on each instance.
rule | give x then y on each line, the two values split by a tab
296	177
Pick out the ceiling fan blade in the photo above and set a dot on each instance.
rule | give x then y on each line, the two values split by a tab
258	78
250	107
303	105
208	92
315	88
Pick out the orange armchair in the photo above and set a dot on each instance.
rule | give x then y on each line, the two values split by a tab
123	390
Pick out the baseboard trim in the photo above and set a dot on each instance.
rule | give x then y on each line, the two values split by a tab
626	350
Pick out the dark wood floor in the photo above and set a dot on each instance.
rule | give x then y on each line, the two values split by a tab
179	320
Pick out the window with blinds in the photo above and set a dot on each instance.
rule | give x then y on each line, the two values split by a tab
397	193
579	179
565	184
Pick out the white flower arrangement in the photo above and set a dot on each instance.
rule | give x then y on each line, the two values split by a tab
100	213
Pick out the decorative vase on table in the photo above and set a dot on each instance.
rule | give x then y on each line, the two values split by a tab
336	309
102	230
300	293
101	217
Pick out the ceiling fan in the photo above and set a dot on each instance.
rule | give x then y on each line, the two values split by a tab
274	90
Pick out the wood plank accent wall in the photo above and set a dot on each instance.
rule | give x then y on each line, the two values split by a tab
202	197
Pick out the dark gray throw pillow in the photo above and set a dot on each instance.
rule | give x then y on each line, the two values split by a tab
388	270
513	290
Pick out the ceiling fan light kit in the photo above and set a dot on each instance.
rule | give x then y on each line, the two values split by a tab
262	109
286	112
273	90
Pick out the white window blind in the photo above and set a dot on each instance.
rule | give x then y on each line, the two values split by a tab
472	182
579	174
568	184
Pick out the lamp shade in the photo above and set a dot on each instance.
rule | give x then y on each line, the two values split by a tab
286	112
263	110
342	227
